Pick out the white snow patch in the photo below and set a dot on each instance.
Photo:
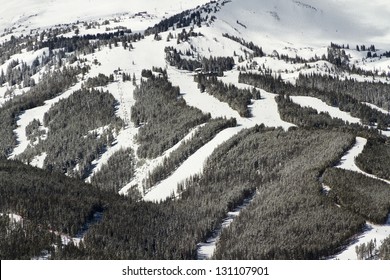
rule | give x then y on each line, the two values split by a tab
39	160
326	189
264	111
376	108
125	139
203	101
14	217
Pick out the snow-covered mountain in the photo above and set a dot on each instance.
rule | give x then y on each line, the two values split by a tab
143	98
31	14
307	22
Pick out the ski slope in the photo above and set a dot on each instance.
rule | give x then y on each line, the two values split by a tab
320	106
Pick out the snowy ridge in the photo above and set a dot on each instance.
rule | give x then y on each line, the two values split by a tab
33	14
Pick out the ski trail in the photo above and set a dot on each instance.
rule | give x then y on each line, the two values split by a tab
371	232
264	111
347	162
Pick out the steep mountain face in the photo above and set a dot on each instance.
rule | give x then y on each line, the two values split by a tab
305	23
202	108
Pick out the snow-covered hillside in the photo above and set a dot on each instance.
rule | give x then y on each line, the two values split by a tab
293	27
292	39
33	14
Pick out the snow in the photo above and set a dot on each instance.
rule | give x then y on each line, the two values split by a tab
39	160
376	108
289	27
264	111
203	101
130	62
26	57
371	232
148	165
122	92
276	23
326	189
320	106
